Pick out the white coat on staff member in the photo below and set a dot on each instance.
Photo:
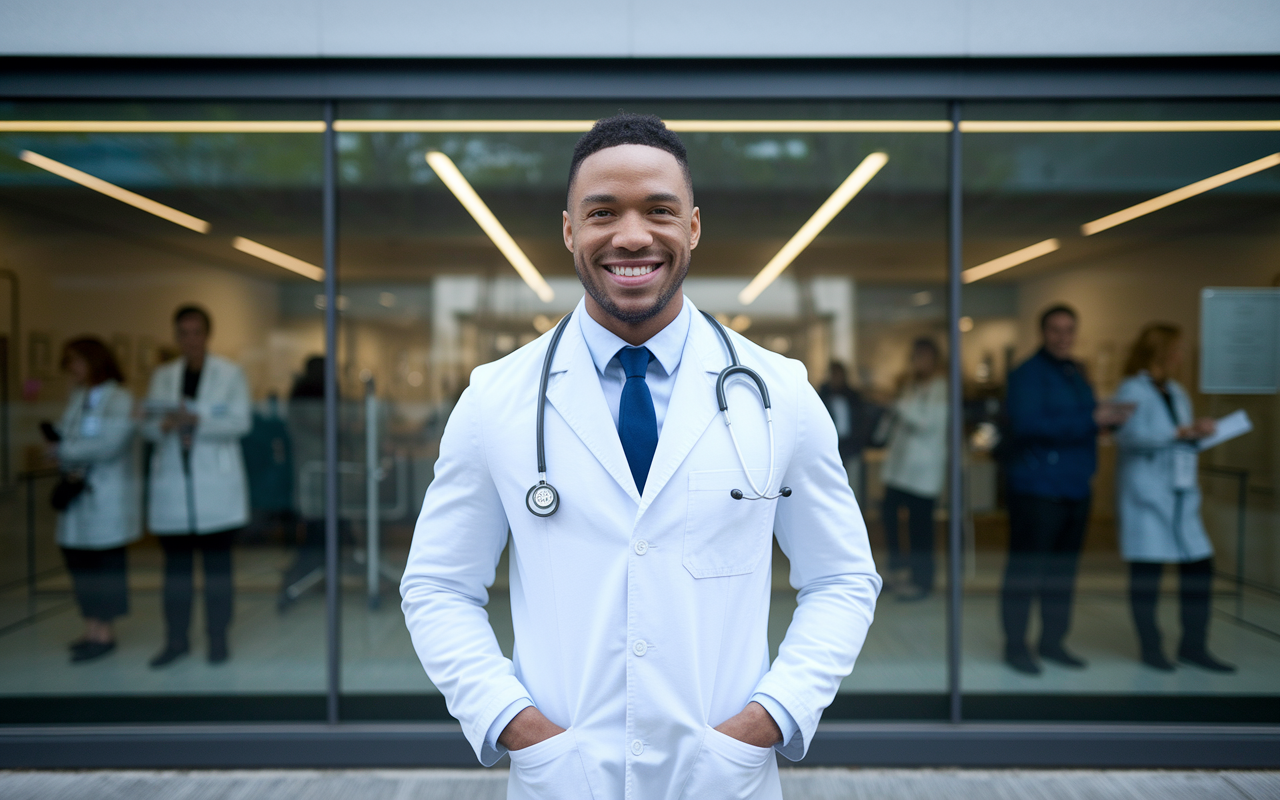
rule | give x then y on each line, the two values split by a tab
95	444
198	409
1159	499
640	597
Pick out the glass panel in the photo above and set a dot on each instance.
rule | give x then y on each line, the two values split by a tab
426	297
107	230
1139	275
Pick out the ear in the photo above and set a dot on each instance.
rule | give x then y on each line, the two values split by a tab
695	227
568	231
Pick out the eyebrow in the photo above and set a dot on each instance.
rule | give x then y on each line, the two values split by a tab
659	197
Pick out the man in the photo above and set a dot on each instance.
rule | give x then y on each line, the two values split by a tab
640	606
198	410
854	419
1053	424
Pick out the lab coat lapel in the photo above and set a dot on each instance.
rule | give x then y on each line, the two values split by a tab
574	390
692	406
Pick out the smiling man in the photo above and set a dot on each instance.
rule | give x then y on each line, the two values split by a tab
641	600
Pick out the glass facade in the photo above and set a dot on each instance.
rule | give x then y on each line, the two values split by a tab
423	295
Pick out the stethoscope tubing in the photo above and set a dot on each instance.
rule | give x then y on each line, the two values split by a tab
735	369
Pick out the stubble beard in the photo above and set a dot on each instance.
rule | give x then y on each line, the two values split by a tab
611	308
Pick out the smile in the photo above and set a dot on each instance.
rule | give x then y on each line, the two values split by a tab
631	272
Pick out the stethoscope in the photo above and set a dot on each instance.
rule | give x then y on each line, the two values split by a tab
543	500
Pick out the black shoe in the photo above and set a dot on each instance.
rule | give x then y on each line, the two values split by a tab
1061	657
218	651
1203	660
171	653
1156	660
1022	661
88	651
78	644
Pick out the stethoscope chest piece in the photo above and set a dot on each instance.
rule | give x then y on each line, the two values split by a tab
543	500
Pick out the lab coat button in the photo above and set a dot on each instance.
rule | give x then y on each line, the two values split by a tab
642	547
640	648
637	747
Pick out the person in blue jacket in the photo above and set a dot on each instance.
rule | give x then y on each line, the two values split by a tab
1054	422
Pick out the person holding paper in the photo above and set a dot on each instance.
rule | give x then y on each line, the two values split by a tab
1159	498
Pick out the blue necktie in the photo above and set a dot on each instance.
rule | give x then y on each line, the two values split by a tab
637	422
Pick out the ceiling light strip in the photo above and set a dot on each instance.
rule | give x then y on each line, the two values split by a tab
271	255
678	125
138	126
115	192
1117	126
1178	195
1012	260
452	178
463	125
833	205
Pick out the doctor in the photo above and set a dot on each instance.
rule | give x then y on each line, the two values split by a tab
640	605
198	410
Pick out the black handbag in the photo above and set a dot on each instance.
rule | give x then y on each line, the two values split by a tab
70	485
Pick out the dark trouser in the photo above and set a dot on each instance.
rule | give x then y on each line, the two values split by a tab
1045	537
920	531
99	578
1195	585
179	579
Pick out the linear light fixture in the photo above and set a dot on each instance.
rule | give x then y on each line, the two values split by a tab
678	125
471	201
1012	260
270	254
1178	195
158	126
1117	126
846	191
114	192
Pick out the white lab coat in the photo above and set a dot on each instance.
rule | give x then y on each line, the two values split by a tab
640	622
1158	523
917	458
101	441
218	481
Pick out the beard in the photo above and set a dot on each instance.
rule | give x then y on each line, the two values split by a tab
586	275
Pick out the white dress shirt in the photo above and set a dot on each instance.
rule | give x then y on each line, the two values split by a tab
667	347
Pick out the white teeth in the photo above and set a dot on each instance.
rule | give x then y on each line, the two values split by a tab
632	272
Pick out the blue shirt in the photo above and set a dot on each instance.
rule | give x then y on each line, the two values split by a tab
1054	449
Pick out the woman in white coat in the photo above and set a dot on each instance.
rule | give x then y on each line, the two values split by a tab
198	410
1159	498
97	445
915	467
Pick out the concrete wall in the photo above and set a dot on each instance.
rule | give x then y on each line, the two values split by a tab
701	28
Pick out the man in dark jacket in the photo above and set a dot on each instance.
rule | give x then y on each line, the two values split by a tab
854	419
1053	423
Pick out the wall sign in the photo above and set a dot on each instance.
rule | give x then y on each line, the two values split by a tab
1239	341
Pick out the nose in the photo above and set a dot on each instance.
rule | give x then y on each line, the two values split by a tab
632	234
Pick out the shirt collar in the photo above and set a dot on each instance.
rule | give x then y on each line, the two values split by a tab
667	345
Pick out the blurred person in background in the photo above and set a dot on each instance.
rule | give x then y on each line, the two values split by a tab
98	497
1159	499
854	419
1054	422
915	466
198	410
306	431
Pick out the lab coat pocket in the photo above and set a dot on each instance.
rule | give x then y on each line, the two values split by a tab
724	536
726	769
552	769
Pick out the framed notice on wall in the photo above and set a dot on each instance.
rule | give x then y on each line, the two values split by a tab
1239	341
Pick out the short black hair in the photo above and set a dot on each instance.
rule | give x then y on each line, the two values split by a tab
192	310
1060	308
625	128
